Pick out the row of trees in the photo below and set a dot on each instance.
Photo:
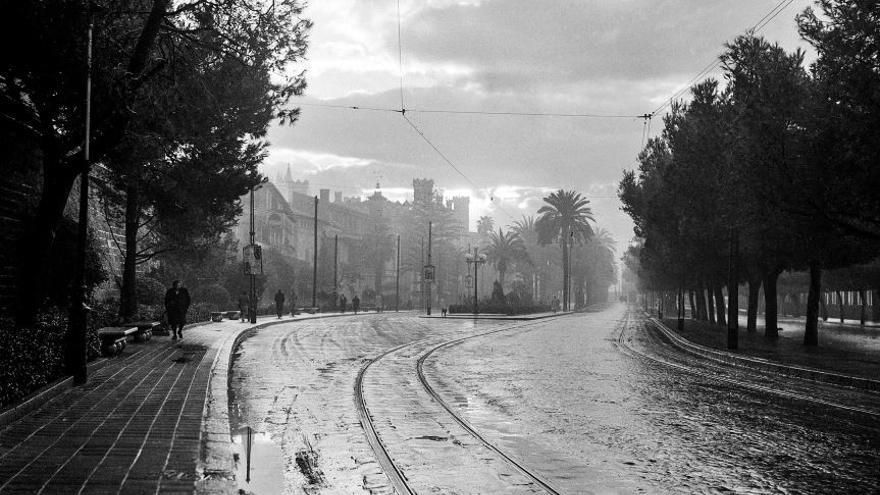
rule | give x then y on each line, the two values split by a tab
773	171
182	94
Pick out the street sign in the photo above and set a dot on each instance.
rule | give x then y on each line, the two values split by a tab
429	273
253	259
469	281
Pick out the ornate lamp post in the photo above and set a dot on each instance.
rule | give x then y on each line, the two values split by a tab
477	260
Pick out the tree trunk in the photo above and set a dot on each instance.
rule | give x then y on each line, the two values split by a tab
128	304
839	304
824	307
719	306
754	292
875	305
770	308
692	300
710	304
701	303
811	331
37	244
864	304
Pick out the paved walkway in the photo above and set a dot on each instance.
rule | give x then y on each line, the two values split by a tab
135	427
843	348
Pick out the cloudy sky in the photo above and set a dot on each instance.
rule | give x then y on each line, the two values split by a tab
615	58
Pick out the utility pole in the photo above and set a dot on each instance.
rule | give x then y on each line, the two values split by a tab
252	317
397	279
77	345
476	269
315	260
335	266
422	275
429	282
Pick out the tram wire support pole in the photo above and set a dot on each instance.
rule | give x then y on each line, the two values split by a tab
428	282
252	297
77	338
397	279
315	259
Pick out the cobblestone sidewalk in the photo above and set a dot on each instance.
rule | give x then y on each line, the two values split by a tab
133	428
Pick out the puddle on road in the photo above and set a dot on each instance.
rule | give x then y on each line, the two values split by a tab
259	462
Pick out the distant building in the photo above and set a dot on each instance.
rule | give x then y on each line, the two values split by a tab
284	211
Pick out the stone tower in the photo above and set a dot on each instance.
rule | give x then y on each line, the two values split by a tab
461	211
423	191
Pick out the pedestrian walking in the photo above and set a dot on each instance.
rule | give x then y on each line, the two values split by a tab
355	304
176	305
279	303
292	302
342	301
244	303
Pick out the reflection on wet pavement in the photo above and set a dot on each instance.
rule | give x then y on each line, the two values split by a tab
559	396
259	461
567	389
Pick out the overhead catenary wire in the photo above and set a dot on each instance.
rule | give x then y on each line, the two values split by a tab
400	56
766	19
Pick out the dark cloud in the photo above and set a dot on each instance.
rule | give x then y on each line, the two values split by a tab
528	44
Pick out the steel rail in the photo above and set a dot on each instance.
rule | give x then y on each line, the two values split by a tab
462	422
632	352
395	475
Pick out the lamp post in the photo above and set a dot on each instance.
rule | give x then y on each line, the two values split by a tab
476	259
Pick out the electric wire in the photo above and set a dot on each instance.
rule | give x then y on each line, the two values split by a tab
448	161
400	56
766	19
350	107
523	114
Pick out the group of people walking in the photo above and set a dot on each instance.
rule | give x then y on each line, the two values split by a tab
244	304
177	302
355	303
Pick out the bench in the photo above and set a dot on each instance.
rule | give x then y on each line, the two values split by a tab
309	310
145	329
113	339
217	316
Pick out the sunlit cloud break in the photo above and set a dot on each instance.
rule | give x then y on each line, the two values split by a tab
310	162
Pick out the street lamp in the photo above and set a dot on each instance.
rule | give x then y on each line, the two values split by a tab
477	260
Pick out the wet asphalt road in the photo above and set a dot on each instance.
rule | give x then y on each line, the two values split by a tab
571	399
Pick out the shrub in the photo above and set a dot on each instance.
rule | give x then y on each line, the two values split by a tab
214	294
150	291
200	311
34	357
500	308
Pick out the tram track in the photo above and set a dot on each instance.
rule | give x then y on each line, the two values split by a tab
396	476
463	423
716	372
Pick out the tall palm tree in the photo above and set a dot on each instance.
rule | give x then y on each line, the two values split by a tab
526	229
565	219
505	249
485	225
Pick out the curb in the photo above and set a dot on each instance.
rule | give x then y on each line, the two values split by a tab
216	468
764	364
471	316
